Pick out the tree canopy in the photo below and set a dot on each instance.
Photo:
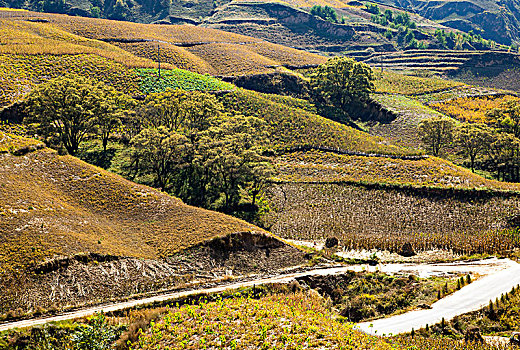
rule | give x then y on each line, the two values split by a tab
343	83
436	133
69	108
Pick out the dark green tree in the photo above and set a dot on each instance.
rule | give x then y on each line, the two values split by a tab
343	83
70	108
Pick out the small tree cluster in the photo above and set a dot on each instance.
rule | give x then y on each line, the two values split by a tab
66	110
327	13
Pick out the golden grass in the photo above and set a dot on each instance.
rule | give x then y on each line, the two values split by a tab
208	51
22	37
232	59
58	205
432	172
171	54
292	321
472	109
410	85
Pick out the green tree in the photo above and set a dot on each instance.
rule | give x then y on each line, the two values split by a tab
472	140
343	83
234	155
504	154
325	12
507	117
436	133
161	152
70	108
179	110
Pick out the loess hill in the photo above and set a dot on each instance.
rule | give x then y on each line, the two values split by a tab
72	233
198	49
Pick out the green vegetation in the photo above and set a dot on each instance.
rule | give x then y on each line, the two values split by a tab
77	208
178	79
68	109
343	85
95	333
277	320
458	41
492	147
325	12
400	22
396	83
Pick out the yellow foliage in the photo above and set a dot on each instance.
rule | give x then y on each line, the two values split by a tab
472	109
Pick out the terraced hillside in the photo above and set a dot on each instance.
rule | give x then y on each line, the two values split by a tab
436	61
134	45
374	202
72	233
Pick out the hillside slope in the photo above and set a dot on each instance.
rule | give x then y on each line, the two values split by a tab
72	233
197	49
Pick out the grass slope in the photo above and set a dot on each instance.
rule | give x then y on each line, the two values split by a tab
291	321
435	172
58	206
292	126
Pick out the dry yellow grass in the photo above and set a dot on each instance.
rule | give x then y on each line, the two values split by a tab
58	205
433	172
23	37
200	49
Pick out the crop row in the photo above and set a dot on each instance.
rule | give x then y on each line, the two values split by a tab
365	218
316	166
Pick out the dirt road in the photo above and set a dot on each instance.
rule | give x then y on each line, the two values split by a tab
470	298
502	275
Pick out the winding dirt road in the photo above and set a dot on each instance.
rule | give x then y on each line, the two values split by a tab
502	275
470	298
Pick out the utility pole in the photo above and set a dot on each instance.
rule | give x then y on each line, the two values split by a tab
159	59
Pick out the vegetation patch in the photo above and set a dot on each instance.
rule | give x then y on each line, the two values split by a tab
178	79
278	320
473	109
361	296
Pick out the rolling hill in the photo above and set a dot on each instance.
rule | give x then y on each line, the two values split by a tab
37	46
78	234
